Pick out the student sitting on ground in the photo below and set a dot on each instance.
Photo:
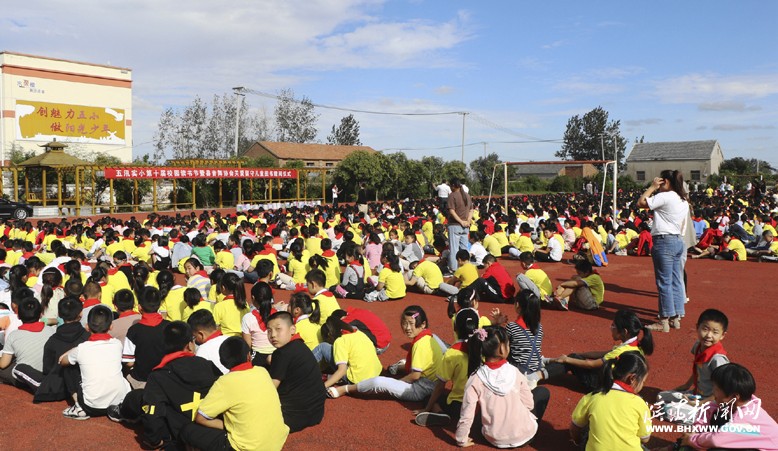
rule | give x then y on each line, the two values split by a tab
466	272
172	392
207	337
391	284
296	375
495	284
315	281
100	361
585	290
534	278
228	416
21	361
143	346
58	382
428	279
554	249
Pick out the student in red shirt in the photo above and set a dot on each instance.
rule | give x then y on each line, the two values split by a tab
495	285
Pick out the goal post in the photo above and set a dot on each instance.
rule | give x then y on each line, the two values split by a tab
605	164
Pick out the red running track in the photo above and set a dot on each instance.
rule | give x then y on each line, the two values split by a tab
745	291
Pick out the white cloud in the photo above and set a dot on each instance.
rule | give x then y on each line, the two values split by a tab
444	90
647	121
728	106
554	44
701	88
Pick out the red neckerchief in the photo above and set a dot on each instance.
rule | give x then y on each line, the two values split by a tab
28	254
520	321
262	325
460	346
626	387
172	356
328	253
229	296
526	234
100	337
218	333
409	357
102	284
495	365
127	313
701	356
202	273
32	327
324	293
242	367
338	236
113	271
150	319
355	263
90	302
296	337
387	266
631	342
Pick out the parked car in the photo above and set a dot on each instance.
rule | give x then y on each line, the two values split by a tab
16	210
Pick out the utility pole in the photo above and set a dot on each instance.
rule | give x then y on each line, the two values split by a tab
238	94
464	115
615	170
484	143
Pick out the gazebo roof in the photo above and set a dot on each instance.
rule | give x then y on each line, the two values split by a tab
54	157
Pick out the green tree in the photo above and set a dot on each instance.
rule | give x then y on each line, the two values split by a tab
295	119
745	166
346	134
586	136
454	169
360	166
481	170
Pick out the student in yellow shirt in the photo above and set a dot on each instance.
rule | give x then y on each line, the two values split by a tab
228	416
585	290
316	287
427	277
224	258
492	245
466	272
228	314
522	242
453	368
735	251
391	283
502	239
421	364
617	417
533	279
194	302
296	267
307	318
173	303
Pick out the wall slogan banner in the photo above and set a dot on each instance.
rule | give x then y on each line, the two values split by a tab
44	121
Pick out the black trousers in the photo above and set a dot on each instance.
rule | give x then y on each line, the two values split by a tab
205	438
488	290
590	379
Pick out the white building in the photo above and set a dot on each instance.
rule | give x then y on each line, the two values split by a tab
695	159
88	106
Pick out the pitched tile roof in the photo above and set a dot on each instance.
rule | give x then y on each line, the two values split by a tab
681	150
298	151
532	169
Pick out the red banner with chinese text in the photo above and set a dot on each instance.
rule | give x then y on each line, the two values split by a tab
127	173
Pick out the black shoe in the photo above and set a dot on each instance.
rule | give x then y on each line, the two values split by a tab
114	413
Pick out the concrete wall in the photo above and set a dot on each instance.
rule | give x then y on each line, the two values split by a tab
654	168
95	88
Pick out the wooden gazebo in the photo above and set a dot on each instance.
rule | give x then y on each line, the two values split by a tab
53	158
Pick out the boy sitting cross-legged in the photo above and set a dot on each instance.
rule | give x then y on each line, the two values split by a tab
296	374
173	391
100	362
229	415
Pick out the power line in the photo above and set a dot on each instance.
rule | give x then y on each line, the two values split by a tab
479	143
351	110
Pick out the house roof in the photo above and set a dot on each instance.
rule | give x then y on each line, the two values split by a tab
53	157
681	150
298	151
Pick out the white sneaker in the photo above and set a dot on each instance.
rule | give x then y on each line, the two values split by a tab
395	367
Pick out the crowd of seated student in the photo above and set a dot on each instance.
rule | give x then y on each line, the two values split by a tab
106	290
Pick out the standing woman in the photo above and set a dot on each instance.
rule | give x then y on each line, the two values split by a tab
335	192
671	207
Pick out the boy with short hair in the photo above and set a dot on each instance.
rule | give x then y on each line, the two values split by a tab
553	251
229	415
100	361
92	294
296	374
172	393
143	346
466	272
585	290
495	284
58	382
21	361
534	278
709	354
124	303
207	336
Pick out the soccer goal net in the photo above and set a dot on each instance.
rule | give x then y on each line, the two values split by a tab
550	169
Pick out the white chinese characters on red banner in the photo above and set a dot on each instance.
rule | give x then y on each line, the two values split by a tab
198	173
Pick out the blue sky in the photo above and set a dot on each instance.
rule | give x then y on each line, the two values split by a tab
669	70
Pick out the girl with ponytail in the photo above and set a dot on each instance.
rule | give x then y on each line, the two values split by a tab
51	293
307	316
229	313
615	415
421	363
499	389
254	324
626	329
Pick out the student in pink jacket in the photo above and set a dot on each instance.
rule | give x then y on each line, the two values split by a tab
500	390
738	416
